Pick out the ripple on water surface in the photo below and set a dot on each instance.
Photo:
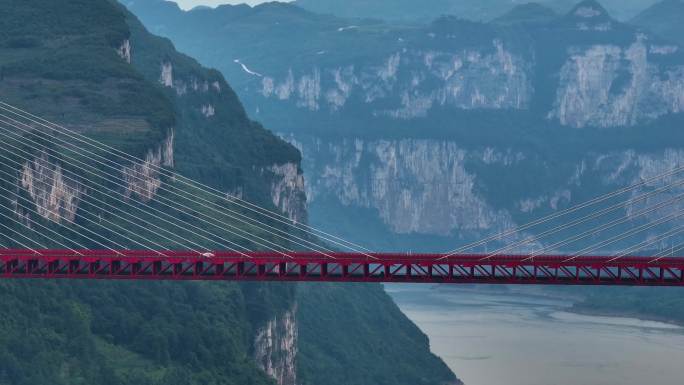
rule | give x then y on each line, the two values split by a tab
490	339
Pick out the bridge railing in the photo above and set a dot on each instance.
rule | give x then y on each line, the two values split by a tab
342	267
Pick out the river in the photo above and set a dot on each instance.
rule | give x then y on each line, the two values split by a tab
518	339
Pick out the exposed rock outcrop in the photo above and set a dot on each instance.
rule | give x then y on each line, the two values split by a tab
629	168
143	179
125	51
166	76
609	86
426	186
275	347
411	82
208	110
417	186
288	191
56	198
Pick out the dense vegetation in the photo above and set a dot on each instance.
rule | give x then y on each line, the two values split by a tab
125	333
545	35
59	59
222	150
394	353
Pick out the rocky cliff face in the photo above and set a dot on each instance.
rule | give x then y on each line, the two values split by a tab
143	179
410	82
431	187
287	190
275	347
405	122
631	167
594	72
55	197
417	186
125	51
612	86
600	85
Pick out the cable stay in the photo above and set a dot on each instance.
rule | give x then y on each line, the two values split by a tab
186	181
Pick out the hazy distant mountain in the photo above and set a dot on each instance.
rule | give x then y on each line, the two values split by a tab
665	18
527	13
425	135
469	9
416	127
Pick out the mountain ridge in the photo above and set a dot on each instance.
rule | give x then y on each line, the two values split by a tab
482	10
91	66
527	13
663	18
555	92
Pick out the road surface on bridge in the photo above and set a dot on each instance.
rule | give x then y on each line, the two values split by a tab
342	267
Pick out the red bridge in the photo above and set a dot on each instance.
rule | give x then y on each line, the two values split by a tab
342	267
188	212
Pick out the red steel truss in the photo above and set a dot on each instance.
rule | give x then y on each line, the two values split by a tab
342	267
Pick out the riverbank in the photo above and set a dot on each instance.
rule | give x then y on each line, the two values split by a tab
648	304
586	309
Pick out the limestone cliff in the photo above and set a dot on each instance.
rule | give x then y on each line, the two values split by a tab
436	187
55	197
275	347
287	190
417	186
410	82
143	179
609	85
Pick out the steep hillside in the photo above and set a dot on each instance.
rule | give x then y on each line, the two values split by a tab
90	65
70	63
527	13
428	136
665	19
364	330
473	10
416	129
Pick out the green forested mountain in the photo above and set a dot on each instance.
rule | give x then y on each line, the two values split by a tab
90	65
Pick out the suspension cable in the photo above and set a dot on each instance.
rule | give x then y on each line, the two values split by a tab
160	198
567	211
88	169
627	251
586	218
606	226
73	212
189	182
23	236
133	207
28	218
627	234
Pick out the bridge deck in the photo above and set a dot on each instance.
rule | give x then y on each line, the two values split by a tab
342	267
